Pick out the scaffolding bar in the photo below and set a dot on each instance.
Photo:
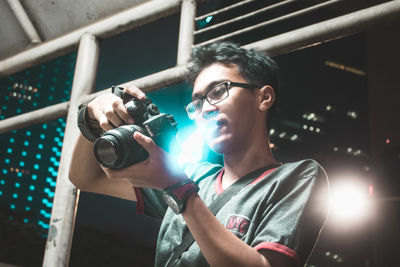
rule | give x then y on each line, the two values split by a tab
147	84
151	82
329	30
280	44
248	15
123	21
222	10
24	21
66	196
186	38
34	117
269	22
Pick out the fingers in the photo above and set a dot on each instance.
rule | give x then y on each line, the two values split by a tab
145	141
134	91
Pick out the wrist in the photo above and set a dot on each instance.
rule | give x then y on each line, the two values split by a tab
89	128
177	195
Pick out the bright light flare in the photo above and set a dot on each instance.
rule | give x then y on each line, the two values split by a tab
191	148
349	201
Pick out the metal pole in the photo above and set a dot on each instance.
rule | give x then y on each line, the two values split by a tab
222	10
248	15
186	28
148	83
269	22
34	117
280	44
121	22
329	30
24	21
66	196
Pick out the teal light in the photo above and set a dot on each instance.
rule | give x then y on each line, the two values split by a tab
12	206
15	195
1	193
7	160
26	143
191	148
38	156
17	185
27	208
19	174
36	166
44	126
21	163
5	171
42	136
34	177
209	18
40	146
32	187
2	182
29	198
12	140
28	133
24	153
25	220
9	150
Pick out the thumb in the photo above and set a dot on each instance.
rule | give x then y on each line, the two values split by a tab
143	140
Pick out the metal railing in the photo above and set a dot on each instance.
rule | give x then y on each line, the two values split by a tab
66	196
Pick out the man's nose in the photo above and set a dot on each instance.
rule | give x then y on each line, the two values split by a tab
208	110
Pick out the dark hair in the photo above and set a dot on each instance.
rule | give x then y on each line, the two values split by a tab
256	67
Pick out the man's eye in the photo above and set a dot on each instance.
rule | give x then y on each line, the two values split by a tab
217	92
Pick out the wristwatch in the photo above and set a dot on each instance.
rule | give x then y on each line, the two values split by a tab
177	195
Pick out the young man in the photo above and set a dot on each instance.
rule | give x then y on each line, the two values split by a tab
274	220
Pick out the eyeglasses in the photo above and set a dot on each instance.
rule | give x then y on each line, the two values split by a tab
213	96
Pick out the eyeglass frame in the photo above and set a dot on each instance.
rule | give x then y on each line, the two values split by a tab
228	86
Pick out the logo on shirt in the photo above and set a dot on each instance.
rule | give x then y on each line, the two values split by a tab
237	223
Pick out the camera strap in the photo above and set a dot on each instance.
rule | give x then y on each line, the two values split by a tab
218	203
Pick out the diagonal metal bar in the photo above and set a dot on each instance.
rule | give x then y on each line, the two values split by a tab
248	15
123	21
330	29
222	10
269	22
65	202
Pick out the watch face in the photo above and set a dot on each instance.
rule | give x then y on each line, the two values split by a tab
171	203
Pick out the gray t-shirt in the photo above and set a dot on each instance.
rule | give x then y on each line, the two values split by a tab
283	210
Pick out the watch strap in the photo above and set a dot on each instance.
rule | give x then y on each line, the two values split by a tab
89	128
181	191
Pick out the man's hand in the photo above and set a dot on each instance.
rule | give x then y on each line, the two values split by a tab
110	111
158	171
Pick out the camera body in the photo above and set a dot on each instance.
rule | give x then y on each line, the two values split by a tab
117	149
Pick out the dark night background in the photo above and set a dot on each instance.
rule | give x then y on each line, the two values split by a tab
107	231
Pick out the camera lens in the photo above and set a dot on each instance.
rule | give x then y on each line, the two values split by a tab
107	150
118	149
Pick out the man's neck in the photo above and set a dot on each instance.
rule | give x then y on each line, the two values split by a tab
240	163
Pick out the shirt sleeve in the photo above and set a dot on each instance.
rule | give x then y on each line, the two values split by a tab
293	218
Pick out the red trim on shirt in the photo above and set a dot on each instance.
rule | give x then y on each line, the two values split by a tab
218	182
280	249
262	176
139	200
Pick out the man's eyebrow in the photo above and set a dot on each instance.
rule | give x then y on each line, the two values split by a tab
212	84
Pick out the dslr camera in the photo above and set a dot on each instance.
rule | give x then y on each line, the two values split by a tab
118	149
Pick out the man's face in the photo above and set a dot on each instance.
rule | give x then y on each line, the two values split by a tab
228	125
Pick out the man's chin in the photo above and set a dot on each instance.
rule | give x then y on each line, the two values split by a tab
219	146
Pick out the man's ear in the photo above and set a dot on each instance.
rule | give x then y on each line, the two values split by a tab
266	97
